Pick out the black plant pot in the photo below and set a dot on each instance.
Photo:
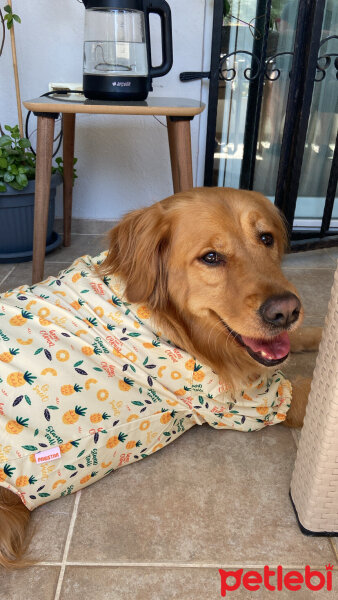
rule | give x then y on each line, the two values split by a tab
17	219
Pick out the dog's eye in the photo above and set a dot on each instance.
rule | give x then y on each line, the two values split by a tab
212	258
267	239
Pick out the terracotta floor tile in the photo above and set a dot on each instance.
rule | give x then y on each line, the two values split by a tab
4	270
333	253
50	524
35	583
140	583
81	244
310	259
335	546
22	274
314	286
210	496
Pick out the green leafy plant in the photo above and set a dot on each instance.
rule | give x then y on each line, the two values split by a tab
59	167
7	19
10	16
18	163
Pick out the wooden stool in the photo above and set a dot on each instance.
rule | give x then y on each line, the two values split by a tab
179	113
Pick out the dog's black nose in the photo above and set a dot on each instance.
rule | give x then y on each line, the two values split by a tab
280	311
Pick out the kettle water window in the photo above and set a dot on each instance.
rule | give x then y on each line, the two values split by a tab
122	49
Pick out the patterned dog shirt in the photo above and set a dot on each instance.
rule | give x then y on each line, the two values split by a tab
88	385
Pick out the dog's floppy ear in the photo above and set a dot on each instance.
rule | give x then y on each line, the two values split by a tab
138	248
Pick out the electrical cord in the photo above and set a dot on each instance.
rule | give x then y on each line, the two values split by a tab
60	135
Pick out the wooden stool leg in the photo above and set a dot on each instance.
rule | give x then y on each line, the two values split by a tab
68	163
180	153
44	151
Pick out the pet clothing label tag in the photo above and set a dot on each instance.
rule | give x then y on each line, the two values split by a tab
48	455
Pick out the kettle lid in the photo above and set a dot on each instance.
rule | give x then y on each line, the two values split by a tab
118	4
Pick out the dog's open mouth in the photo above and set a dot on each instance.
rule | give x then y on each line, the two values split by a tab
268	352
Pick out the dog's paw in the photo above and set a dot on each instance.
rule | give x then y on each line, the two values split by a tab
305	339
300	392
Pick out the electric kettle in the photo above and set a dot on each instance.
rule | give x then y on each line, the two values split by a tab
117	56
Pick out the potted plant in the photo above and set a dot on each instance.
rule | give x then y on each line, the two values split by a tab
17	190
17	176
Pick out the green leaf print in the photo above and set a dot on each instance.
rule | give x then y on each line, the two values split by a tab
78	363
116	301
70	467
200	399
36	432
137	402
28	400
38	351
134	334
30	448
43	495
53	407
80	454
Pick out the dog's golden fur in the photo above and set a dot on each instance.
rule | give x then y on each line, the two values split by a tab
159	253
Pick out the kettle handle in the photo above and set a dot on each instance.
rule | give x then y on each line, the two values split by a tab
161	8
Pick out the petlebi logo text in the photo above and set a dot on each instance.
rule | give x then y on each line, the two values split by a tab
276	580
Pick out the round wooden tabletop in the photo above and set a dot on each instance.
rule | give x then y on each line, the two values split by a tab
173	107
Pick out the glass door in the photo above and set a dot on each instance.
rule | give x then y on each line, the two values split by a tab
273	104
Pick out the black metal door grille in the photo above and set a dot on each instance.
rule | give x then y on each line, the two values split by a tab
309	65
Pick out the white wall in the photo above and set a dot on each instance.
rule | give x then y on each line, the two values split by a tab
123	162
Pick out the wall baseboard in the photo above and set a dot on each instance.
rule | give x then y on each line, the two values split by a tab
86	226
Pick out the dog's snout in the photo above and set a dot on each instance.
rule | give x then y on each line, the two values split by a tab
281	311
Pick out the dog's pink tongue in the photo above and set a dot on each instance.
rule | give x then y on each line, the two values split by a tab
273	349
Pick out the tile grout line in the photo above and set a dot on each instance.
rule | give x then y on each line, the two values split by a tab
295	438
178	565
334	548
67	545
6	276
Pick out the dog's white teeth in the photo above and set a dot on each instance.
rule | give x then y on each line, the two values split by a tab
265	355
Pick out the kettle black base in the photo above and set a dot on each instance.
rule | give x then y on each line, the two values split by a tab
106	87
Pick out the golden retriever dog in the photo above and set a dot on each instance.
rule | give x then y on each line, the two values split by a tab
207	264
